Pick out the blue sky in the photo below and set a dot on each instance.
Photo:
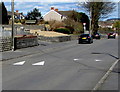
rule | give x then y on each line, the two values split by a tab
44	6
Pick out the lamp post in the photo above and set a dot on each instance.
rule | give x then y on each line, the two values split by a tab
12	9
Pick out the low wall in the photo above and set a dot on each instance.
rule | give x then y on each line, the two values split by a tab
20	42
74	37
5	44
23	42
55	39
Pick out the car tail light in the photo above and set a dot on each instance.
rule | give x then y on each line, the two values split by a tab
89	37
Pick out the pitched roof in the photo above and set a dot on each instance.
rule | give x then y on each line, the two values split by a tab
15	13
65	13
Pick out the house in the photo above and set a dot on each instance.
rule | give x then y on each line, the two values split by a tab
106	24
17	15
54	14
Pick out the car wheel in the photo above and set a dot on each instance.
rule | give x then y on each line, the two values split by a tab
79	42
90	42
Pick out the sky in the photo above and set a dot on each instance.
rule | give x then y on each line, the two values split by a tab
44	6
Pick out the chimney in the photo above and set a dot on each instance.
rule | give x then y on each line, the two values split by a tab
16	11
56	9
52	8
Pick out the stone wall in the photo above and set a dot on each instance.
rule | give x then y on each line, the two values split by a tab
5	44
20	42
23	42
55	39
29	27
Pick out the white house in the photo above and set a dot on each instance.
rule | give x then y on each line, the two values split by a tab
54	14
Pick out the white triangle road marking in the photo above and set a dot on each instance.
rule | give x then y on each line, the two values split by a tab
97	60
39	63
75	59
19	63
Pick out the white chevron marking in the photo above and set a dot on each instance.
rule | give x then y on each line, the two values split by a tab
19	63
39	63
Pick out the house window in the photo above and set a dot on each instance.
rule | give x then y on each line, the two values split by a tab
61	17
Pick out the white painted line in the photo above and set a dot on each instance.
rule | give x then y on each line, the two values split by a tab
102	80
76	59
39	63
19	63
97	60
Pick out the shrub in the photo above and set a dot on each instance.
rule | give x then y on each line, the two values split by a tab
63	30
17	20
22	21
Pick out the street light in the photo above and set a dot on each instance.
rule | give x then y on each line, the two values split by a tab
12	9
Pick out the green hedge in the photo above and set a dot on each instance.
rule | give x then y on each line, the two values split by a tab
63	30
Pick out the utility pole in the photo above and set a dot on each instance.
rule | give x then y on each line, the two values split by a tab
90	20
12	9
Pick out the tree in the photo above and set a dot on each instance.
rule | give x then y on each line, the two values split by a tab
76	20
116	25
97	10
33	15
77	26
79	17
3	14
55	24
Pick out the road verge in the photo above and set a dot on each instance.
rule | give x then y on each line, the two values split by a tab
102	80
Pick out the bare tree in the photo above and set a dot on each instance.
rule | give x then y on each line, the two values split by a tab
97	10
55	24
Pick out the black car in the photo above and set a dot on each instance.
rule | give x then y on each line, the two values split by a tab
85	38
112	35
96	36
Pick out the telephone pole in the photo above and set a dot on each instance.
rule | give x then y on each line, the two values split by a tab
12	9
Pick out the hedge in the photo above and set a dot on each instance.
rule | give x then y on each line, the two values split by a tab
63	30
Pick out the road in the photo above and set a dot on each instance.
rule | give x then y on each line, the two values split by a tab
69	67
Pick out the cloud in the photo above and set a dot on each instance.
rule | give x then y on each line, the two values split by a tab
57	0
43	0
44	6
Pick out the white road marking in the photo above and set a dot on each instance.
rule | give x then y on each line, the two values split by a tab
39	63
19	63
76	59
97	60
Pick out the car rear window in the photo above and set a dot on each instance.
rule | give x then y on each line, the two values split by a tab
111	33
85	35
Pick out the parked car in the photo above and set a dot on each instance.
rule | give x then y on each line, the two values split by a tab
96	36
111	35
85	38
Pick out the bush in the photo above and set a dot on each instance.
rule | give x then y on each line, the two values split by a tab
22	21
17	20
63	30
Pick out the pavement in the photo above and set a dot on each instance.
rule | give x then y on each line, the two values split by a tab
49	46
43	46
114	77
